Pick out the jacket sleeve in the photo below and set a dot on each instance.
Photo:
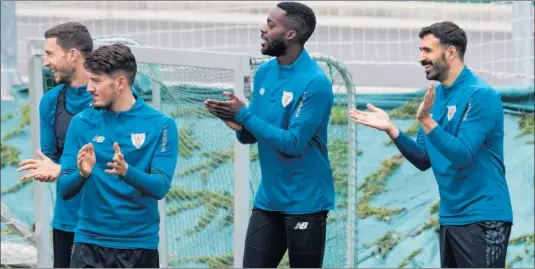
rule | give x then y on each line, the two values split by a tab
414	151
477	123
158	182
70	182
315	105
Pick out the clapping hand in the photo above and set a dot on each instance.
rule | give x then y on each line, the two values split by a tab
43	169
118	164
226	110
86	160
424	111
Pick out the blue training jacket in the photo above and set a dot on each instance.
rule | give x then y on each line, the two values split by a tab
288	117
465	152
76	100
120	212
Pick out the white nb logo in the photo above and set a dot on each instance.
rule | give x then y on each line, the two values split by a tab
98	139
301	226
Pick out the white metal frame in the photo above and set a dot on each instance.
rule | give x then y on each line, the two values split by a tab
238	63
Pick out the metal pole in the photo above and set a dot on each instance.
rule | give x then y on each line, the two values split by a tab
522	36
8	21
241	172
41	199
162	248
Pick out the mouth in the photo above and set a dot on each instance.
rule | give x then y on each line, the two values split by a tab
428	67
263	42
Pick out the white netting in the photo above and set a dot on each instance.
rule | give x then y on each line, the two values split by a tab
369	37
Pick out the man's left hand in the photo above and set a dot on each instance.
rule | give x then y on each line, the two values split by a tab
225	110
119	165
424	111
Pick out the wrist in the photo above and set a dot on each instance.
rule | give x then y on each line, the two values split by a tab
425	120
125	170
392	131
428	124
84	176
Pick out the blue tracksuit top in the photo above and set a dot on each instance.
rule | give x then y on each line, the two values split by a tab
120	212
76	100
288	116
465	152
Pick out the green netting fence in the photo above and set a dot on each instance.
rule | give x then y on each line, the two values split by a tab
387	217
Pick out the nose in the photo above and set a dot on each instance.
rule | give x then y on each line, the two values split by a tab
263	29
90	87
422	57
46	62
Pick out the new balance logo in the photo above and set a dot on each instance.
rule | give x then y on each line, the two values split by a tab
301	226
98	139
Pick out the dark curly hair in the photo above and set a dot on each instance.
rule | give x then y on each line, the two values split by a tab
302	19
112	59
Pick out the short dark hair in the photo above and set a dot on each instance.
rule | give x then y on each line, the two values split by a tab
72	35
112	59
302	17
449	34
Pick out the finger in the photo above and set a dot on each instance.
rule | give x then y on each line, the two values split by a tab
81	157
29	175
359	118
230	95
83	149
358	112
28	161
213	103
28	167
120	157
116	148
113	165
90	149
371	107
222	114
112	171
41	155
223	111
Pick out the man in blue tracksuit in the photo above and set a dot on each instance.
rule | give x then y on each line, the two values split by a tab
288	117
461	139
66	47
121	155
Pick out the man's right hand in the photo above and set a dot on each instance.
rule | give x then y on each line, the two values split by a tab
86	160
375	118
43	169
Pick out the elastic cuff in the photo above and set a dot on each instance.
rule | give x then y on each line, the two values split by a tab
242	115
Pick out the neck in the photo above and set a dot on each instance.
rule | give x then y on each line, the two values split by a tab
453	73
124	102
79	77
292	53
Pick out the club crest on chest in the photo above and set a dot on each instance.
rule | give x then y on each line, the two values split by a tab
287	98
138	140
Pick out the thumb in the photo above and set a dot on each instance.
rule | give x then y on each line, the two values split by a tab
90	148
41	155
230	95
372	107
116	148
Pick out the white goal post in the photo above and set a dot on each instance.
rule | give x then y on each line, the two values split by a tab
239	64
